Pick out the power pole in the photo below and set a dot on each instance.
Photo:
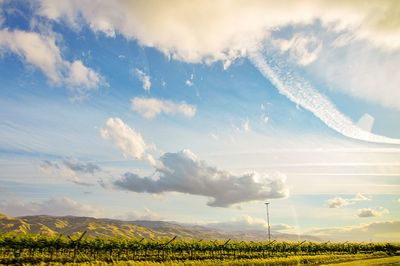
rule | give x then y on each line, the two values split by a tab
269	227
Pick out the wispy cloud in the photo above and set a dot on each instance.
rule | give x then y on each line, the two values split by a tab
70	169
298	90
339	202
189	82
151	107
144	78
301	48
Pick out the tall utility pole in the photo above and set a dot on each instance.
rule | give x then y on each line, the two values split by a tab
269	227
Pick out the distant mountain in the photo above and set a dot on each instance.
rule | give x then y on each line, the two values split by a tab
69	225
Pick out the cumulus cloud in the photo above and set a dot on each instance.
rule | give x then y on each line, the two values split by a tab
41	51
53	206
144	78
80	76
151	107
368	212
198	31
127	140
184	172
339	202
70	169
301	48
377	231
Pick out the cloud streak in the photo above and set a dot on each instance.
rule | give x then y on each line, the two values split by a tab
299	91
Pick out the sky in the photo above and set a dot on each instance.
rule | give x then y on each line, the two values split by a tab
201	111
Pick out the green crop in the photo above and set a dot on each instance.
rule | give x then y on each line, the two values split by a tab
24	248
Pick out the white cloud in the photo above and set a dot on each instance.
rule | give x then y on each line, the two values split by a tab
360	197
361	71
282	227
208	31
145	215
127	140
264	118
301	48
183	172
80	76
301	92
53	206
247	222
368	212
151	107
41	51
214	136
189	83
377	231
246	125
144	78
339	202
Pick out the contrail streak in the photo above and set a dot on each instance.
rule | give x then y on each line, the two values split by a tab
298	90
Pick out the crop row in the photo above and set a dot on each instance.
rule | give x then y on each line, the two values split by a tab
36	248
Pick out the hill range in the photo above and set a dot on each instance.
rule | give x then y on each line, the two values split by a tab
95	227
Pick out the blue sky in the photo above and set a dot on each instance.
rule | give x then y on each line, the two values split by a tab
199	112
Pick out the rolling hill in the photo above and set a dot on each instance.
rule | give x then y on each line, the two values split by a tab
70	225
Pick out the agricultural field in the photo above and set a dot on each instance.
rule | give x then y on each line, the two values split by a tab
36	249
